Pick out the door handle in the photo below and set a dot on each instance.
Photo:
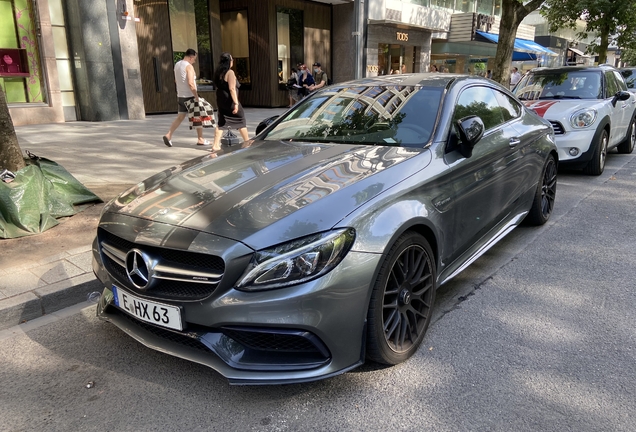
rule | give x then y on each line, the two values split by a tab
514	141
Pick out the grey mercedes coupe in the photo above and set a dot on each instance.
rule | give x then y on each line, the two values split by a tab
320	243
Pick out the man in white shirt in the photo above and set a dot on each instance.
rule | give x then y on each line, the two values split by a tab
185	78
515	77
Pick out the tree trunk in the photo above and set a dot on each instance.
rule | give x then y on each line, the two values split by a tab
10	152
602	47
512	13
505	46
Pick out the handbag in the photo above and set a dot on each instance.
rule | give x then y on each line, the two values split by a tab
229	138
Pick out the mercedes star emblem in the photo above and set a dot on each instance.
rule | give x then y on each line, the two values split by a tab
137	269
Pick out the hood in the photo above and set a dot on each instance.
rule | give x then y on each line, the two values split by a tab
553	109
270	192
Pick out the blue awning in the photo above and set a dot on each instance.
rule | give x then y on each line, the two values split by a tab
523	49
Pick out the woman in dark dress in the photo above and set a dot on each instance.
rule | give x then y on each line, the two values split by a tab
306	81
230	110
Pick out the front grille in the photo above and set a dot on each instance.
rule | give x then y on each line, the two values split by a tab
265	341
193	259
176	275
558	128
172	336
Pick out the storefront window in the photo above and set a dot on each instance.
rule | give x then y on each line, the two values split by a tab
62	59
182	27
424	3
395	59
485	7
234	39
443	4
204	49
497	10
19	56
465	5
290	31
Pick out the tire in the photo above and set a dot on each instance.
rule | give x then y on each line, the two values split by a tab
596	166
627	146
402	300
543	202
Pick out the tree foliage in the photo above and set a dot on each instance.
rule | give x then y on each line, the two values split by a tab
10	152
512	13
609	20
628	56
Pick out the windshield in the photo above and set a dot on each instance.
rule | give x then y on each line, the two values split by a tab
560	85
630	77
380	115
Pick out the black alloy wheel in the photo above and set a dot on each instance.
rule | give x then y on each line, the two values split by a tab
543	202
402	301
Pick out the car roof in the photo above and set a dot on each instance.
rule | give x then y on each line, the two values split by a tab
565	69
429	79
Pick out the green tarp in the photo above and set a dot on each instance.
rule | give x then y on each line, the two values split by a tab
41	192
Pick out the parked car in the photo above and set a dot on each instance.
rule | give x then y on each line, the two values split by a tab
296	255
629	75
590	109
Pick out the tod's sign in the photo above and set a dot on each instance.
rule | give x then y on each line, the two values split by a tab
402	36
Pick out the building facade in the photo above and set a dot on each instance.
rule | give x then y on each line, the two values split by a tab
64	60
34	61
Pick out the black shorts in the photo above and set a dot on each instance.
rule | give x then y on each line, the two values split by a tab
182	106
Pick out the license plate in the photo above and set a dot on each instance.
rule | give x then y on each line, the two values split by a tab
155	313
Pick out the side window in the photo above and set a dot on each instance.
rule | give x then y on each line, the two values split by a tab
510	108
610	85
479	101
619	80
629	76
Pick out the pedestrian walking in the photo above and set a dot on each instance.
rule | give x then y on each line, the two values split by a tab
230	110
515	77
293	91
185	79
320	77
306	82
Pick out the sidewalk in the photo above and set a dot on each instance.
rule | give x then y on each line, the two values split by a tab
46	272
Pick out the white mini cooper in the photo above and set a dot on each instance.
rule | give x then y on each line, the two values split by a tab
590	109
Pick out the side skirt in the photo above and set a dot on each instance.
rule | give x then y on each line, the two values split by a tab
471	255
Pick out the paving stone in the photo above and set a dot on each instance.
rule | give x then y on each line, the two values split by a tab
79	250
84	261
21	267
53	258
19	282
56	271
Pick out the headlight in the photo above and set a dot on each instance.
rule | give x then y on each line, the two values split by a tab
583	118
297	261
105	208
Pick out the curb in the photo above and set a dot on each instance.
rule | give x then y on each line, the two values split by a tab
45	300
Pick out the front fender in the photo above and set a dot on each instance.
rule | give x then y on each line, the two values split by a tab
587	156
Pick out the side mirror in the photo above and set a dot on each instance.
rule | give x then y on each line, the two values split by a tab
620	95
470	130
262	125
